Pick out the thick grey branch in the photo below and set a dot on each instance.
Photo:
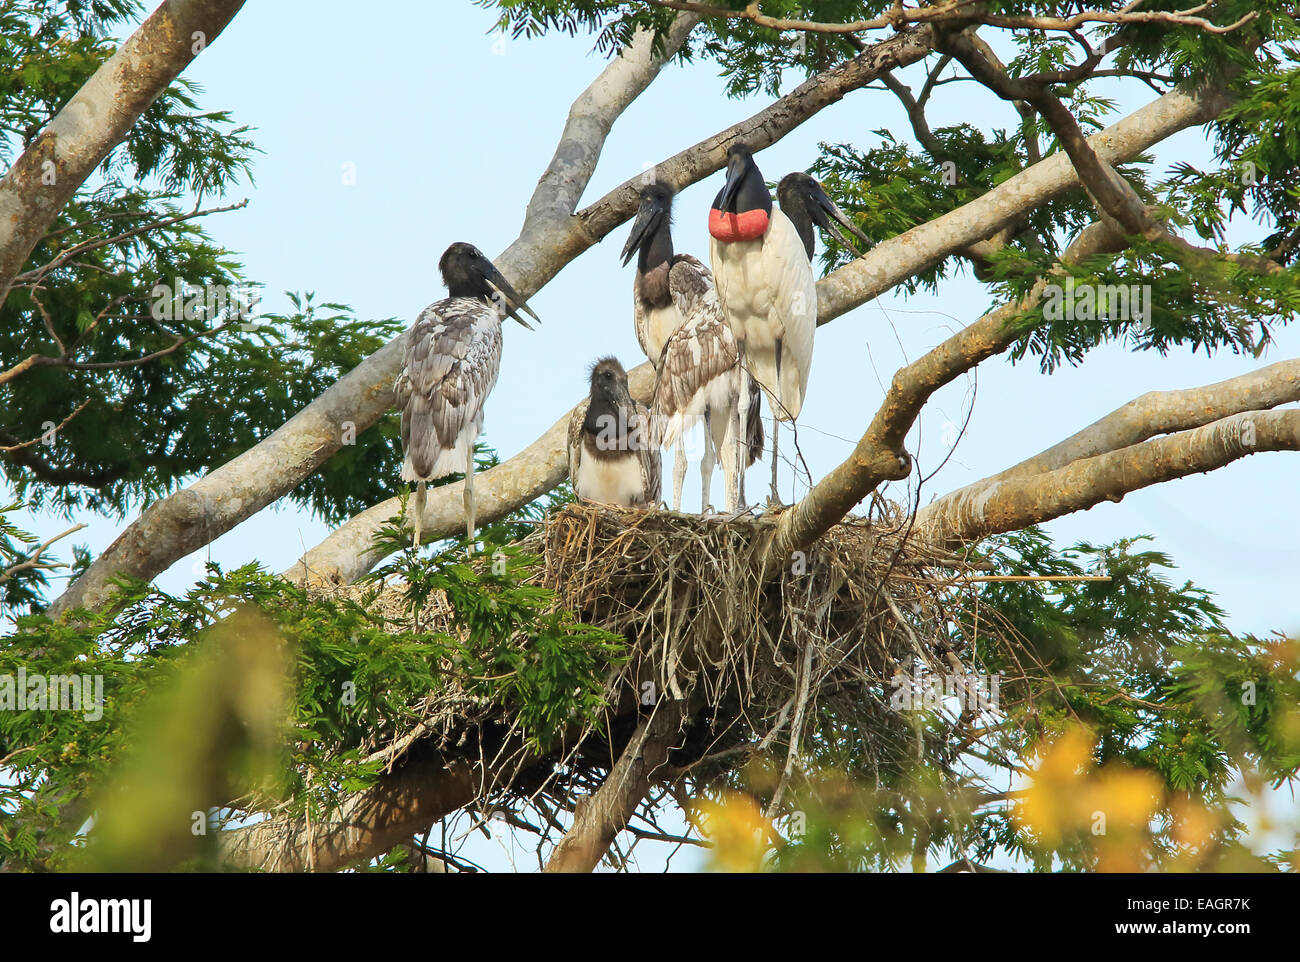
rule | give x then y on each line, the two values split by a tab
954	517
96	119
879	455
1019	502
598	819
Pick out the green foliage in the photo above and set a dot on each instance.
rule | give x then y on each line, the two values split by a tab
891	188
1143	661
1144	297
358	680
148	427
613	23
145	428
550	680
20	587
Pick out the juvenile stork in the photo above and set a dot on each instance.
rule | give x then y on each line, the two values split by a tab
680	326
700	379
449	367
762	263
612	457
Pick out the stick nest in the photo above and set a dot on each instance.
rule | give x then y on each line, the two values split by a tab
760	663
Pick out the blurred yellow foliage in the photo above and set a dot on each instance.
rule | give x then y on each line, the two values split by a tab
1070	797
736	827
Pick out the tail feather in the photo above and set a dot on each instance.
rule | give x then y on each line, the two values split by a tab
426	457
422	442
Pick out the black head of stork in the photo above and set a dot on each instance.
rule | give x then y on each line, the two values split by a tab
652	231
743	207
610	406
805	202
468	273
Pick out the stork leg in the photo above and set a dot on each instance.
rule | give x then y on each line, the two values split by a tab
418	508
727	455
739	435
469	504
707	460
775	497
679	473
777	410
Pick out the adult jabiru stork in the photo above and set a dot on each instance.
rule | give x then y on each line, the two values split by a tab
680	326
613	459
762	265
449	367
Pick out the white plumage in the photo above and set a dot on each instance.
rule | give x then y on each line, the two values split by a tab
449	367
769	296
620	481
681	329
762	262
654	325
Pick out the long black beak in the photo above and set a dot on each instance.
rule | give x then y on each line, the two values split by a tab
505	296
823	209
735	177
647	219
625	396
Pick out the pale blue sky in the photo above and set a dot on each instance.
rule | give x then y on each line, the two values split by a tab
449	129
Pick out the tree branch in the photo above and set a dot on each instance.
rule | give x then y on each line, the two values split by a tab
66	361
1019	502
954	517
879	455
7	449
36	274
599	818
366	825
1114	196
95	120
34	560
960	11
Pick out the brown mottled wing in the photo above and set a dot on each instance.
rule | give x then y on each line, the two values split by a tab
702	348
651	460
640	322
402	399
453	354
575	443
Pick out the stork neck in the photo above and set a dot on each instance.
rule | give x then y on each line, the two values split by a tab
657	250
468	286
606	424
752	195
